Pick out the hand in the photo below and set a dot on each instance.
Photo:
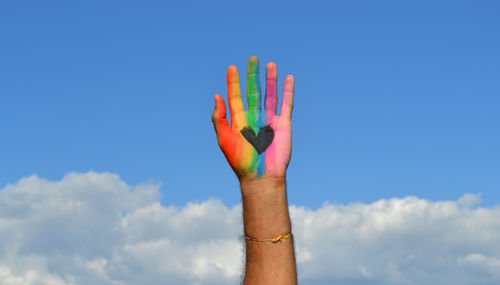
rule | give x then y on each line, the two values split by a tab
257	143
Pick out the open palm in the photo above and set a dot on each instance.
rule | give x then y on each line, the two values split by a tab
258	142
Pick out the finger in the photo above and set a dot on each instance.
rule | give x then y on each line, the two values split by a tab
219	119
287	104
253	84
271	90
234	94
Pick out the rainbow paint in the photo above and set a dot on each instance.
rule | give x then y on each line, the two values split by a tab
257	142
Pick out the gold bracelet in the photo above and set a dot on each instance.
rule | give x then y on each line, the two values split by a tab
273	240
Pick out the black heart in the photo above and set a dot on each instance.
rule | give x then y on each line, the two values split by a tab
260	141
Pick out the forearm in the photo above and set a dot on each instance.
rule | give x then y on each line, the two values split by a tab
265	215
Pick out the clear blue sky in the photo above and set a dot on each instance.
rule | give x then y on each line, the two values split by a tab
393	98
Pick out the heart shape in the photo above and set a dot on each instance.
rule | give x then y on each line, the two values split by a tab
260	141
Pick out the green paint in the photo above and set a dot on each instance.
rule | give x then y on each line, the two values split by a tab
254	104
253	85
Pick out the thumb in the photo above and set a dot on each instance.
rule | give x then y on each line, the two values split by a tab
219	115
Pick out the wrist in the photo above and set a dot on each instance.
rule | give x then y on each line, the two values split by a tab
265	207
262	186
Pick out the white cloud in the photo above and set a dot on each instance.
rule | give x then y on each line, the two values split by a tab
93	228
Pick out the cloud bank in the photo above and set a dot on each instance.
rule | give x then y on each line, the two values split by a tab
93	228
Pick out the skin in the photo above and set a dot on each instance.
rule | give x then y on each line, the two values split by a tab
262	177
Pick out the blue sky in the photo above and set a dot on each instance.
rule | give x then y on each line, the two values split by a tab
392	98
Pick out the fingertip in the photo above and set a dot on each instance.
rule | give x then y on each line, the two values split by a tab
289	83
253	64
215	99
216	107
272	70
220	107
219	101
232	74
253	58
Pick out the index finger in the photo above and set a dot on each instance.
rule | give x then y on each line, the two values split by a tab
234	93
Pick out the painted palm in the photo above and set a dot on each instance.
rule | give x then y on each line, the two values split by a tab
258	141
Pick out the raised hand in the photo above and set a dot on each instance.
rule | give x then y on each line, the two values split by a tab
258	142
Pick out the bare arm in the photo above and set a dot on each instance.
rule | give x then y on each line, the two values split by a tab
257	144
265	214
